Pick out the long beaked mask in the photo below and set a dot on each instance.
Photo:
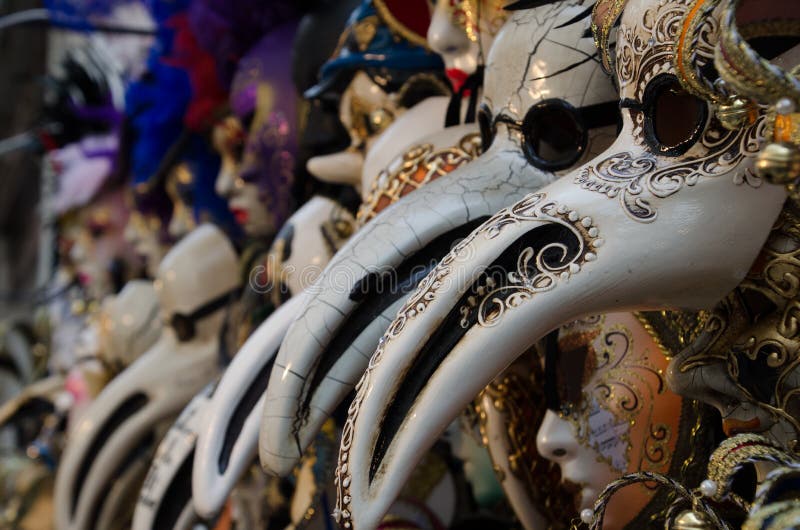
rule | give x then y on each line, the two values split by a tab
674	189
326	349
122	423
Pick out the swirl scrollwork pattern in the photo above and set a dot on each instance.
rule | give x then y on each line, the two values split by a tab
637	180
540	266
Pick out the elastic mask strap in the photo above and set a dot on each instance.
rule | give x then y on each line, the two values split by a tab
473	83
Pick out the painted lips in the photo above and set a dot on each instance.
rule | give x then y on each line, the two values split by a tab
457	78
240	215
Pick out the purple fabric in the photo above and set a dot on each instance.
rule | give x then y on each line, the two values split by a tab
227	29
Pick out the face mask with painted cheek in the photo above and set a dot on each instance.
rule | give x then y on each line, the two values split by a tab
613	414
419	229
462	31
571	249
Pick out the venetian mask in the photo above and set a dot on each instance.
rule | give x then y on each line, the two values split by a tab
110	446
744	363
394	250
612	413
257	183
462	32
380	68
99	252
614	234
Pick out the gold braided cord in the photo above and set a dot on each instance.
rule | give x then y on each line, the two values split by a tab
639	477
604	14
737	451
685	56
745	71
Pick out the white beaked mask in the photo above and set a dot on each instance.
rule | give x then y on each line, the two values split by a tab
616	234
359	292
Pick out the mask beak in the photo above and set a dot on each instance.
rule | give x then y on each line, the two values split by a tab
559	254
228	438
327	348
165	499
343	167
120	424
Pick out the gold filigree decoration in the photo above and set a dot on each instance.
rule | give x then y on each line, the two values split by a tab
754	333
418	166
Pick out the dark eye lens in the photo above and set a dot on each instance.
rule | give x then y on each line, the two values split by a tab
676	117
485	126
555	138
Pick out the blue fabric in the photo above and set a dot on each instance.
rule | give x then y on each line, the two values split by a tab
384	51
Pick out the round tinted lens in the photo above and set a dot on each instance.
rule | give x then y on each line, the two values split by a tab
555	138
485	127
676	117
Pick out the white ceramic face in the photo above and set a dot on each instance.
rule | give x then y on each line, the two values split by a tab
462	31
248	209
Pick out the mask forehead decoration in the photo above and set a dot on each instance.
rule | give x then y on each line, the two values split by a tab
477	16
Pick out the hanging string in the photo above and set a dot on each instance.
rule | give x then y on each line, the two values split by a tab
472	86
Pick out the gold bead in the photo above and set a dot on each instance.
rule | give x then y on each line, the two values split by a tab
691	520
779	163
735	113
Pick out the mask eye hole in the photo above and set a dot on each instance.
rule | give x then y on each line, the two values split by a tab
555	136
674	119
485	126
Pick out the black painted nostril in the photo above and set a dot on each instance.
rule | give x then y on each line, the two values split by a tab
559	452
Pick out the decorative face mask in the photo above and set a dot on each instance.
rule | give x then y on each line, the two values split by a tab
99	253
462	32
745	362
259	194
612	414
404	240
381	66
613	235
